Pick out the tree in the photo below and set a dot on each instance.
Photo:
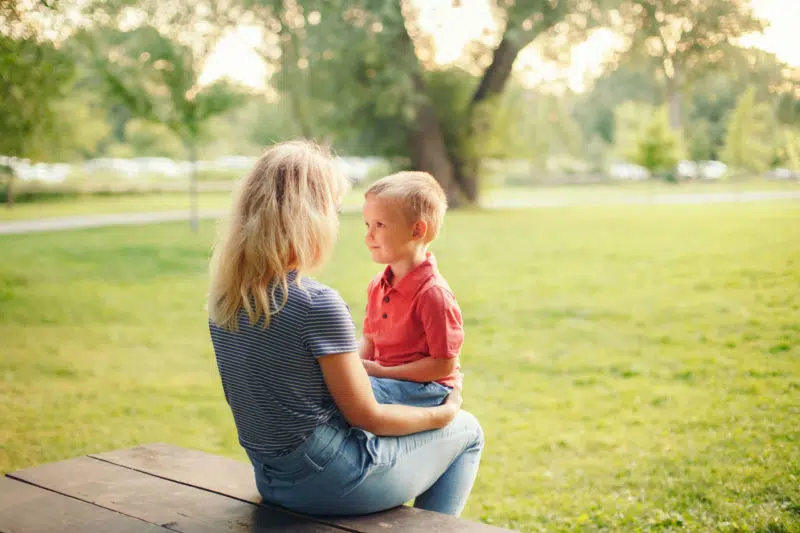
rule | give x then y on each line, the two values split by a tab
749	126
712	97
370	59
157	79
621	82
788	148
630	118
683	38
34	77
149	138
657	147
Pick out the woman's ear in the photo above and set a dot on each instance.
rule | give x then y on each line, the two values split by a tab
419	229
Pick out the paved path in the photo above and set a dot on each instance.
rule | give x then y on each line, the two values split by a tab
95	221
133	219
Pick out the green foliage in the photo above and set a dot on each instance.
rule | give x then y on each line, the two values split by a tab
643	136
788	107
788	148
713	96
700	141
620	385
657	147
747	144
683	39
269	122
450	91
83	128
710	96
680	42
34	78
157	79
147	138
595	109
630	118
598	153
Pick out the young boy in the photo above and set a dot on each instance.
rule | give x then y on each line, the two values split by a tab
413	330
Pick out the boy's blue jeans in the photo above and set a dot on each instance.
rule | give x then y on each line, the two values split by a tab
342	470
428	394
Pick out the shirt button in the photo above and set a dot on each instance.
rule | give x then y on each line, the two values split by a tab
386	299
385	315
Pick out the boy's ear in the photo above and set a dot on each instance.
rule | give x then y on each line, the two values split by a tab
419	229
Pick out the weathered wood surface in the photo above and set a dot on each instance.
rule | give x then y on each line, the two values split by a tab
26	508
235	479
159	487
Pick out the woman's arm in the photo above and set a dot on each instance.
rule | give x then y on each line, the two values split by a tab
349	385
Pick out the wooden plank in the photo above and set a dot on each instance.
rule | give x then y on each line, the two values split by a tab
235	478
25	508
412	520
172	505
192	467
199	469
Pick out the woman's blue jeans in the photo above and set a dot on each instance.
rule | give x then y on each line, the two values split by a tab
342	470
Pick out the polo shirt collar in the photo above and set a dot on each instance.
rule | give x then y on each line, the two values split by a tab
412	281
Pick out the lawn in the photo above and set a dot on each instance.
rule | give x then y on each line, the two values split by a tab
612	192
635	368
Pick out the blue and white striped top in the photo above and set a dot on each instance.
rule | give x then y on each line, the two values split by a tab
271	378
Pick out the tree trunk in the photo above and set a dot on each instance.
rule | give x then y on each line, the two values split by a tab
674	99
428	150
492	83
499	71
193	215
427	146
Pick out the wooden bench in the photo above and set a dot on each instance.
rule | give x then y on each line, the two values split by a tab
160	488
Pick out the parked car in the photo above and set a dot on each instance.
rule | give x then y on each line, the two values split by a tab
628	171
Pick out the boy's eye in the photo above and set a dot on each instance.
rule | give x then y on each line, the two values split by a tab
379	224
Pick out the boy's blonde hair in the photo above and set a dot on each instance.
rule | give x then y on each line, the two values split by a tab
283	217
418	195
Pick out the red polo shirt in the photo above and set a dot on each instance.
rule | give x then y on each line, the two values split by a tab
417	317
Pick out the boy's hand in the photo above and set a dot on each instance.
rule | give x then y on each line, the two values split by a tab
373	369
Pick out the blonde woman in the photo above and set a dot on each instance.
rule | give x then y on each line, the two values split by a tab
287	355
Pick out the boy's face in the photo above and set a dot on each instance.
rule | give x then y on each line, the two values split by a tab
390	236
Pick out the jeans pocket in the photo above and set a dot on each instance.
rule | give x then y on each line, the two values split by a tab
293	471
379	449
318	465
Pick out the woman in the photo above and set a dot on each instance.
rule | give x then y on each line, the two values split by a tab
287	355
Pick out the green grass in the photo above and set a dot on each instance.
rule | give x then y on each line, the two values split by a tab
635	368
620	191
170	201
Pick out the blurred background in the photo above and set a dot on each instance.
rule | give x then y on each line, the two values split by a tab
142	96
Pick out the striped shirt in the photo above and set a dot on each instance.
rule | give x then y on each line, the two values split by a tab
271	377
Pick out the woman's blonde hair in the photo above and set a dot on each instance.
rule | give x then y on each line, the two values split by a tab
419	196
283	218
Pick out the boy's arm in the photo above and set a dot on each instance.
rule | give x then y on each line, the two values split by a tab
422	370
443	327
366	348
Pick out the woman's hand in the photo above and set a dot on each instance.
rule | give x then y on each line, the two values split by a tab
452	404
373	368
351	390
